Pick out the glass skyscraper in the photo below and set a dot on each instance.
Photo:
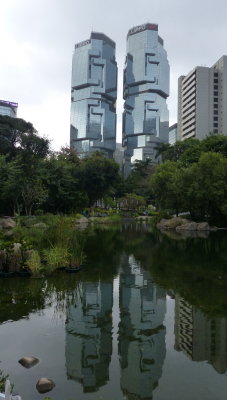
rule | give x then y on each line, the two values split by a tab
8	108
93	96
146	88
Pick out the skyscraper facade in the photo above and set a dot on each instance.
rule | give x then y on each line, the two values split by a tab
93	96
202	101
8	108
146	88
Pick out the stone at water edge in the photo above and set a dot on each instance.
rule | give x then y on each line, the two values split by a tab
28	362
203	226
7	223
45	385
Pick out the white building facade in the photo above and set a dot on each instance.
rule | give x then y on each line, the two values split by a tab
202	101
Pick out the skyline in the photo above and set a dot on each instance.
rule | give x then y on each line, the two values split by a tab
38	38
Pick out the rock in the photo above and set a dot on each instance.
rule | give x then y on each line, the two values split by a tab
143	218
17	247
82	220
189	226
44	385
8	232
41	225
93	219
171	223
203	226
7	223
28	362
213	228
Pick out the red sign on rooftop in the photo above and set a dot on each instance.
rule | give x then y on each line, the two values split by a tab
141	28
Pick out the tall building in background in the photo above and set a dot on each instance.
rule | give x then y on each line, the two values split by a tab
8	108
93	96
202	101
173	134
146	88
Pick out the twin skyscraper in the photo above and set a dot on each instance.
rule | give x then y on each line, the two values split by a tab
145	90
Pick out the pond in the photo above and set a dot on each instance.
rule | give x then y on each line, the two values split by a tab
145	319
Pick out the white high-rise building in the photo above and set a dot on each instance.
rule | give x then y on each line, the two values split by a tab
202	101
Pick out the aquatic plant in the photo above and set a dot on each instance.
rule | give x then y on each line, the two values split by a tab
55	257
3	378
76	250
34	263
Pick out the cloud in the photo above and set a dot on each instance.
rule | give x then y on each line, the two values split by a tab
37	39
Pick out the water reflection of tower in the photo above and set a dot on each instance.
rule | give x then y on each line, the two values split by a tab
200	337
141	334
89	335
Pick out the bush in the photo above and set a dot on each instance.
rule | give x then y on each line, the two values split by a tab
56	257
34	263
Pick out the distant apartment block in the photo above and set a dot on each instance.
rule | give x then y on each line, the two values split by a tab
119	154
173	134
202	101
93	96
8	108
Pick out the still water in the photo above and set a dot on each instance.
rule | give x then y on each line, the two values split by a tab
145	319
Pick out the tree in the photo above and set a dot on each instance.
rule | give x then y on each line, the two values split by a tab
132	201
99	176
33	193
11	178
62	179
167	184
18	137
206	192
138	180
215	143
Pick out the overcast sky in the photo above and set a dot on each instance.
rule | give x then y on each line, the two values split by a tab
37	38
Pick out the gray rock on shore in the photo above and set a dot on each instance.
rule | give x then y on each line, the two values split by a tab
188	226
7	223
171	223
40	225
81	220
182	224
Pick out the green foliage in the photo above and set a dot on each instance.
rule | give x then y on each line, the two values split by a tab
76	249
138	180
206	193
18	137
99	176
34	263
167	184
201	188
55	257
3	378
33	179
189	151
132	201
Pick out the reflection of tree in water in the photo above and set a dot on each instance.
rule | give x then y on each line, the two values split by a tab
195	268
141	332
20	297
